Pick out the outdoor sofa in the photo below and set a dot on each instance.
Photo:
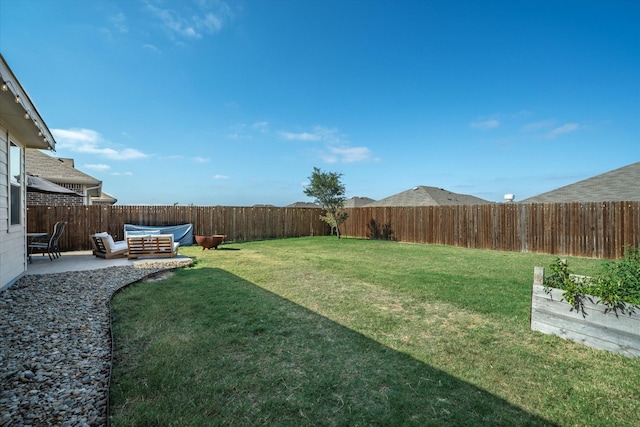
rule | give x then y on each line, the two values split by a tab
152	245
105	247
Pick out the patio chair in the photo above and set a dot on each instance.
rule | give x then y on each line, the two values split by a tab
51	246
105	247
56	240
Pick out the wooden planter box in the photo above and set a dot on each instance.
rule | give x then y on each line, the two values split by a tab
551	315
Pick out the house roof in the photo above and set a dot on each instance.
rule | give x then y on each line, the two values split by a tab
356	202
55	169
104	198
621	184
19	114
60	171
353	202
428	196
303	205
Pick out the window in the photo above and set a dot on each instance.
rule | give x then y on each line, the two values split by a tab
15	183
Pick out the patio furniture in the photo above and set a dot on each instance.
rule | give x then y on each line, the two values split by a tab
51	246
105	247
156	245
56	239
33	238
182	234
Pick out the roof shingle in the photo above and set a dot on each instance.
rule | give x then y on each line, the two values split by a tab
428	196
55	170
618	185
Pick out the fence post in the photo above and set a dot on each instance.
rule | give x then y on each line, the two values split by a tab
538	275
524	235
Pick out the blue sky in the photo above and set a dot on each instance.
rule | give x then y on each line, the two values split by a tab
234	102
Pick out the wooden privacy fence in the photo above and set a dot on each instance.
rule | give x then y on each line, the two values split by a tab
237	223
599	230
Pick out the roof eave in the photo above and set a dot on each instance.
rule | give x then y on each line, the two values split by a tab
18	113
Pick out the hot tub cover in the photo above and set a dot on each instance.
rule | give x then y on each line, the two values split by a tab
182	234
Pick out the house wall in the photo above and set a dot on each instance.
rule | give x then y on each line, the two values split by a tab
34	198
13	259
53	199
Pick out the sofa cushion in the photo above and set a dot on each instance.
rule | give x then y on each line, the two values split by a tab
110	242
119	246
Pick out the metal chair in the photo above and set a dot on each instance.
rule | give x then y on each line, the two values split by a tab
55	248
51	247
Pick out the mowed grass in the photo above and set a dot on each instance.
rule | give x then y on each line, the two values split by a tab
321	331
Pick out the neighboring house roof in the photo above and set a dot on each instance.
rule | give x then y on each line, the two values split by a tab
356	202
428	196
303	205
60	171
104	199
19	114
621	184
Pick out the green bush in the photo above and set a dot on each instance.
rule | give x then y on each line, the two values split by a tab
576	288
616	284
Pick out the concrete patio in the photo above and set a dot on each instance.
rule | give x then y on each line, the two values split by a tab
85	260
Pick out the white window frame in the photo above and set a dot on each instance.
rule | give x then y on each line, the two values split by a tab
15	185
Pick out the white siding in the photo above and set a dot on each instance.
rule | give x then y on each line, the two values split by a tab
13	260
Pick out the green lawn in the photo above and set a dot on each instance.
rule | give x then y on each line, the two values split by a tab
321	331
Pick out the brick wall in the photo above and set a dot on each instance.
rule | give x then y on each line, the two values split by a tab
53	199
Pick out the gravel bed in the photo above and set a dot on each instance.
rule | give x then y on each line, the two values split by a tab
55	352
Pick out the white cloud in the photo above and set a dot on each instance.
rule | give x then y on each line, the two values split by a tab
302	136
122	173
211	23
247	132
201	159
220	177
119	21
172	21
210	18
98	167
563	130
549	129
263	127
350	154
536	126
151	47
89	141
319	133
337	149
79	135
486	124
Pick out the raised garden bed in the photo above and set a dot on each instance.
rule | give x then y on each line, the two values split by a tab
592	326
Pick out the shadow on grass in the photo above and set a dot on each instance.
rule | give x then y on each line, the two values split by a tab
207	347
221	248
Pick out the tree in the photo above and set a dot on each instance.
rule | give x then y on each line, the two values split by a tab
328	191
